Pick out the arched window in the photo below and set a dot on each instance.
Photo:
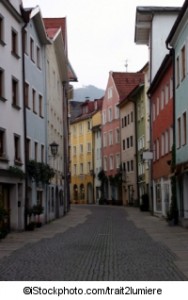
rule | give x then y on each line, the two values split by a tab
82	192
75	192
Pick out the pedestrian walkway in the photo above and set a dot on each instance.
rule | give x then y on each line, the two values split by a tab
174	237
16	240
103	242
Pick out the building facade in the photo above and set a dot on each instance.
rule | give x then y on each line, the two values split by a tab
12	155
161	99
177	40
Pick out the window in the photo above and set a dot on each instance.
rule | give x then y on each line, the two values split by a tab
81	129
109	92
157	149
122	122
28	142
171	137
32	49
2	143
128	166
34	100
74	130
128	119
179	132
157	106
177	72
75	169
26	94
89	147
89	125
110	138
110	114
1	30
81	169
116	112
128	143
15	92
117	136
105	164
162	99
166	94
41	106
38	57
42	153
17	157
184	141
81	149
105	139
36	151
166	141
153	111
74	150
171	88
88	167
162	144
132	166
25	41
1	84
14	42
131	141
104	117
183	63
123	144
132	117
117	160
111	162
125	121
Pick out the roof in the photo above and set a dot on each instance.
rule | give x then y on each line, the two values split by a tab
178	21
144	17
86	114
125	82
52	26
160	73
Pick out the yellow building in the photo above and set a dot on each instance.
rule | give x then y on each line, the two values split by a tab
82	179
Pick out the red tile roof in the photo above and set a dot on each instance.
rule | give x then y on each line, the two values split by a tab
125	82
53	24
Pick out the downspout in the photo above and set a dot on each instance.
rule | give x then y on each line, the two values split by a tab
26	20
172	53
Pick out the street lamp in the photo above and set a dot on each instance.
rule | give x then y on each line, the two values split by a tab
54	148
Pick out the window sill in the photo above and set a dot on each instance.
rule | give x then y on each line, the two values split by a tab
16	106
15	55
18	162
4	159
3	99
2	43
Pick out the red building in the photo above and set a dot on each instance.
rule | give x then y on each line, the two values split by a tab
161	99
119	85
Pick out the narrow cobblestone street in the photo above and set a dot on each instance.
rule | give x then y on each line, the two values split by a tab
97	243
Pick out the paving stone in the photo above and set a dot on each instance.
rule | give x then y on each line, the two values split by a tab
103	245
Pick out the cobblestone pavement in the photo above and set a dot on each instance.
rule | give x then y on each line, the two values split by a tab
97	243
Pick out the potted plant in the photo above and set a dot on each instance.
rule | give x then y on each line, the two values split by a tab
31	225
37	211
3	222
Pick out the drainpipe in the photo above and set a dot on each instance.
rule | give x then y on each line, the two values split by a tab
172	53
26	20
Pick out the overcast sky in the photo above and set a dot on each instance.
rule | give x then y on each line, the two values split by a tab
100	35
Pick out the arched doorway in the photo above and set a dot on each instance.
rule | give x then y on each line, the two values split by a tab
90	199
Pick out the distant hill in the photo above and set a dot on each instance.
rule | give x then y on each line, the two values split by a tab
90	91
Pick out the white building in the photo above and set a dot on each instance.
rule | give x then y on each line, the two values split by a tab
12	156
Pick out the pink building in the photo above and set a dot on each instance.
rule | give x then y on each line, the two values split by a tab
161	99
119	85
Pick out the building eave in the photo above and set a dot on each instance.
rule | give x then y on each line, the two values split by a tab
144	17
